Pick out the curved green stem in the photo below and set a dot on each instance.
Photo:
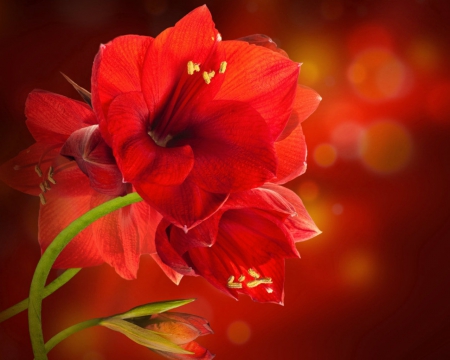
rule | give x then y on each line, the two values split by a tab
48	290
49	257
55	340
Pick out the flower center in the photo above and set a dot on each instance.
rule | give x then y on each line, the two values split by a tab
158	141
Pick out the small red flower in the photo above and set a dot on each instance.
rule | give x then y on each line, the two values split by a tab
73	170
242	247
190	118
181	329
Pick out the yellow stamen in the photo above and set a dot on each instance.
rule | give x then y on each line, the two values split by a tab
38	170
46	185
235	286
230	279
208	76
255	283
254	274
241	278
192	67
50	175
42	198
223	67
42	187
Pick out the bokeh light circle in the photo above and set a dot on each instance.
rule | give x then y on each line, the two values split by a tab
325	155
238	332
377	74
387	147
347	137
308	190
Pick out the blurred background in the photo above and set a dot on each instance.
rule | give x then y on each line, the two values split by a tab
375	284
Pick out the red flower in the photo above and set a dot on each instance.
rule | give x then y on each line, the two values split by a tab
70	185
242	247
190	118
181	329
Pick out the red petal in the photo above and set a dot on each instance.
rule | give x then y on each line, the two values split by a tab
264	41
291	146
233	148
301	226
167	253
262	78
60	211
118	238
51	118
247	239
199	351
203	234
185	205
166	85
137	154
94	157
171	274
117	69
20	173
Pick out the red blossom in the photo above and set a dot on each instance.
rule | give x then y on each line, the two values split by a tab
241	248
73	170
192	119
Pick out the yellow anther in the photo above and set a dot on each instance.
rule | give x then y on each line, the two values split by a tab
235	285
50	175
255	283
223	67
241	278
254	274
46	185
206	77
38	170
192	67
232	285
42	198
42	187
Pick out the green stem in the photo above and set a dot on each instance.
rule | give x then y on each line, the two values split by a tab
55	340
49	257
48	290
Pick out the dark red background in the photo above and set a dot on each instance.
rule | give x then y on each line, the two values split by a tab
375	284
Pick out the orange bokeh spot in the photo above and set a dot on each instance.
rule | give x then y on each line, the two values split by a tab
377	74
325	155
387	147
238	332
308	190
357	268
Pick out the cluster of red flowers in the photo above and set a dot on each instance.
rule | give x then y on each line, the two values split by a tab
204	130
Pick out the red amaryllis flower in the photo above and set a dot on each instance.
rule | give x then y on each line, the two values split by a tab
181	329
82	179
243	246
191	118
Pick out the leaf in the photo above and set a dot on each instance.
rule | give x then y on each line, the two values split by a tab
151	308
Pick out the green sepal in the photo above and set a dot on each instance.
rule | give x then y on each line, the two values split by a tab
151	308
143	336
